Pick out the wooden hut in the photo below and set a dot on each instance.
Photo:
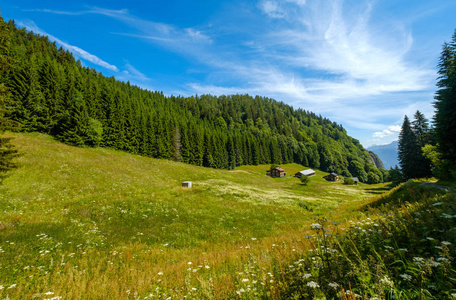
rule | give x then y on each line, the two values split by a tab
276	172
331	177
308	172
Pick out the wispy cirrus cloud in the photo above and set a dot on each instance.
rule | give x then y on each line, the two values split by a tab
149	29
30	25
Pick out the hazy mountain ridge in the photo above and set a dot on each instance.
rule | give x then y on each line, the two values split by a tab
387	153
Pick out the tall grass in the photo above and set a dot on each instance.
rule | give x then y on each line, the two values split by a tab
100	224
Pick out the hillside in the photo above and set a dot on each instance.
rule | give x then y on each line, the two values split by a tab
73	217
376	160
53	93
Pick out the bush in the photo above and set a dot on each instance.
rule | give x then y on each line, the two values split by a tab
304	179
348	181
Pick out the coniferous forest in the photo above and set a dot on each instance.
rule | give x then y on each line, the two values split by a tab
53	93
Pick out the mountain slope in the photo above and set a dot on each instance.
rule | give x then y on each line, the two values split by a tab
387	153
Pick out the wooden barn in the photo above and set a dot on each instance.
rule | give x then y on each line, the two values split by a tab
276	172
308	172
331	177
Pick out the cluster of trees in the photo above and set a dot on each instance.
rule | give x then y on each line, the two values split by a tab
423	150
412	138
53	93
7	151
443	156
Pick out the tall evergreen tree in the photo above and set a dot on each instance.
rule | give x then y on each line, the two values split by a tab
445	102
420	126
408	151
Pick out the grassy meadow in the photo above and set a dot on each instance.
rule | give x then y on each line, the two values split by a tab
93	223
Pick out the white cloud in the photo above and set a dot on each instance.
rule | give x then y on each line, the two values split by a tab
75	50
387	132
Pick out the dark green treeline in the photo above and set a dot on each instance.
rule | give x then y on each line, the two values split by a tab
53	93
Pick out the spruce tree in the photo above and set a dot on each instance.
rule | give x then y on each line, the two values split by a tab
408	151
445	102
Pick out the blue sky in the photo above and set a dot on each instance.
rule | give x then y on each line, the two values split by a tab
363	64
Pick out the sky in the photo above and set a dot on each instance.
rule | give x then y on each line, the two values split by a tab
363	64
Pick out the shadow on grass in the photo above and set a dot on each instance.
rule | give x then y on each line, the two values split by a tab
379	190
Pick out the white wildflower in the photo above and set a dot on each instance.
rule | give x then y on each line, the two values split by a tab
316	226
313	284
406	277
333	285
307	275
445	243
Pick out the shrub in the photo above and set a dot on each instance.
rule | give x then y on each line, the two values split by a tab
348	181
305	179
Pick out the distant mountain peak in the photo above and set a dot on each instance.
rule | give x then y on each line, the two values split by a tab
386	153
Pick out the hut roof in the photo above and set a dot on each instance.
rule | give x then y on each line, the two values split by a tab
307	172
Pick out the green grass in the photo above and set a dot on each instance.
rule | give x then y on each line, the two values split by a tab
93	223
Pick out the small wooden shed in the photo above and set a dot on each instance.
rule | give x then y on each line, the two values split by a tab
276	172
308	172
331	177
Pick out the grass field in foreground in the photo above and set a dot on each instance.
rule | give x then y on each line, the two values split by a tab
93	223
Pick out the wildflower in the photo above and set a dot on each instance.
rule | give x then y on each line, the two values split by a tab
193	289
1	287
12	286
313	284
189	263
442	259
160	273
207	267
387	281
245	279
406	277
418	260
307	275
429	238
49	293
333	285
316	226
446	243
